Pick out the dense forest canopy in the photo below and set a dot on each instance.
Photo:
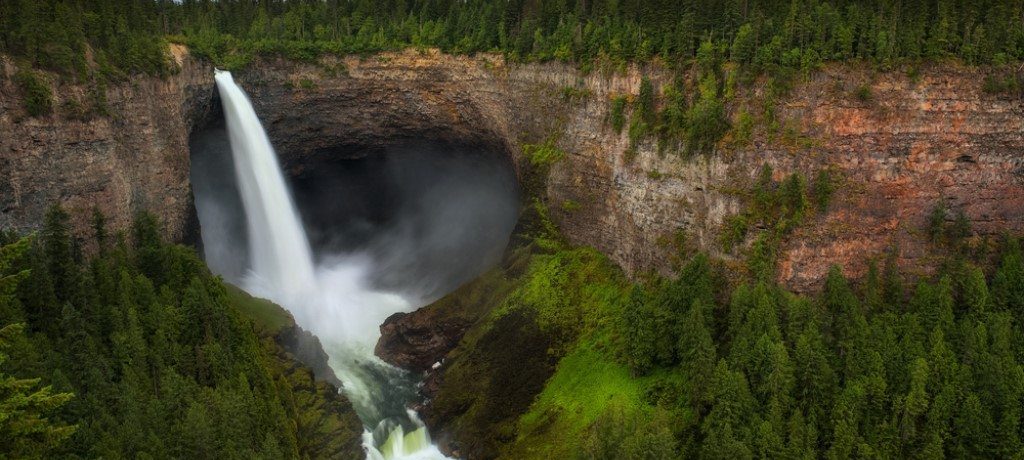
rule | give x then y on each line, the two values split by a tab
130	35
139	351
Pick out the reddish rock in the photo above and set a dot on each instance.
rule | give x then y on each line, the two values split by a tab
939	138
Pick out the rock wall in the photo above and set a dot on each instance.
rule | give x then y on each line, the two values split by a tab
912	144
909	146
136	159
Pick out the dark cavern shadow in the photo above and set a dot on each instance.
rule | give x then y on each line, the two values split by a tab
428	215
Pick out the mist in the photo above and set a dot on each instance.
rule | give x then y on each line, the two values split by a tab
421	218
218	205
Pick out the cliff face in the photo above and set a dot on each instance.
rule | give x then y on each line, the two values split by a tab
136	159
899	153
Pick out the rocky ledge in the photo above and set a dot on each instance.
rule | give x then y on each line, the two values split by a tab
417	341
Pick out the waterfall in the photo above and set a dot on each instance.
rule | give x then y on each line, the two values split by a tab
277	242
331	300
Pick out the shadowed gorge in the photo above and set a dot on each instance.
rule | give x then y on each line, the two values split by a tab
391	229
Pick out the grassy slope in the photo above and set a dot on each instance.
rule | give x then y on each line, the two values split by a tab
572	297
589	378
266	315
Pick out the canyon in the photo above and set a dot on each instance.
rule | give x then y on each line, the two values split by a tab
898	145
914	143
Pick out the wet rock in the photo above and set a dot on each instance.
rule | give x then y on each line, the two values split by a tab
307	349
417	341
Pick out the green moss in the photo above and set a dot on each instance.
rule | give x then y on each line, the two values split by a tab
572	290
586	383
504	364
550	304
265	314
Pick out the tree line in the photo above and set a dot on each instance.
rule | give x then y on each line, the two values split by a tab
130	36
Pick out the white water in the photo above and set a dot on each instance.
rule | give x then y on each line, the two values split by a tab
331	300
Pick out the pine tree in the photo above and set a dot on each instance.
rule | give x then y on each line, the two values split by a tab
697	354
25	429
725	431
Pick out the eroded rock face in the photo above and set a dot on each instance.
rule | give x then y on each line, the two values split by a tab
908	147
134	160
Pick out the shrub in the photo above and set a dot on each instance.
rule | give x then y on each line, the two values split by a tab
794	197
761	261
73	109
543	155
744	44
863	93
637	130
960	228
644	108
572	93
707	126
734	230
744	131
707	121
937	222
673	115
38	98
1008	84
822	190
617	113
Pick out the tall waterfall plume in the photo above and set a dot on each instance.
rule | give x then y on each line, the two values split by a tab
280	252
332	300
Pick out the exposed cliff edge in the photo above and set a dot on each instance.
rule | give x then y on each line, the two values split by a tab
908	147
135	159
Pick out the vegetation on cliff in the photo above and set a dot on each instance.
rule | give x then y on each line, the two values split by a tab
710	365
140	351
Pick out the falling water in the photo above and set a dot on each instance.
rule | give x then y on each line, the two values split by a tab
278	245
332	300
